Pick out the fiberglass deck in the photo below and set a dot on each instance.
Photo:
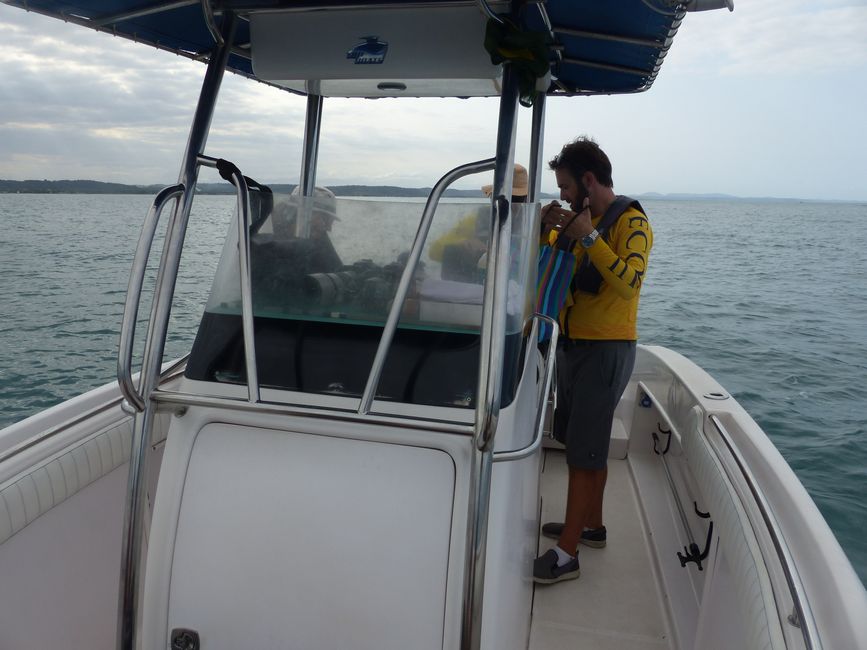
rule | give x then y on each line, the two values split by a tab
616	603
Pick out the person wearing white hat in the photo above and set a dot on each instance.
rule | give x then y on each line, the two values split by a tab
324	210
323	258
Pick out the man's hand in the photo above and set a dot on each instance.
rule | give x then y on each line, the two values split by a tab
550	217
582	224
558	218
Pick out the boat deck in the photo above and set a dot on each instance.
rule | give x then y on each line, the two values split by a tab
617	602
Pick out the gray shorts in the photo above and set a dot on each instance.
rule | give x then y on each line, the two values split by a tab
591	377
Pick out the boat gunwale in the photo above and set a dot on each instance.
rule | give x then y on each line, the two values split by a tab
802	526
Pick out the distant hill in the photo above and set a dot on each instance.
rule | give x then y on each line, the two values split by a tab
656	196
74	187
686	197
98	187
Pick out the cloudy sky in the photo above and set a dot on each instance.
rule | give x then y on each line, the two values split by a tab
766	101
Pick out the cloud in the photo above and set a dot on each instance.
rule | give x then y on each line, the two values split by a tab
789	37
735	109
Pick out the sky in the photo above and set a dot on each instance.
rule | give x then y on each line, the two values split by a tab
767	101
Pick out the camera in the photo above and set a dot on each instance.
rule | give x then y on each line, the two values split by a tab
363	285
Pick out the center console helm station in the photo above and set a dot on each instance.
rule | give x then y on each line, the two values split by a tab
358	422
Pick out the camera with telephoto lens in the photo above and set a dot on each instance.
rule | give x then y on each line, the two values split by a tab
363	284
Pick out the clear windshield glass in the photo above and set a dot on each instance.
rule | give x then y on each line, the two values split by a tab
324	275
316	258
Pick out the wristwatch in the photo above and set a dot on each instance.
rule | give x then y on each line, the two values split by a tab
588	240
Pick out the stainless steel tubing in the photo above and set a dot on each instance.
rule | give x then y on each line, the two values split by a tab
170	399
492	341
537	138
546	20
133	296
208	13
496	283
408	273
638	72
247	322
541	407
806	620
613	38
310	155
155	343
138	13
486	8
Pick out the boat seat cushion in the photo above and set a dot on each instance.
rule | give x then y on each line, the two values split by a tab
51	482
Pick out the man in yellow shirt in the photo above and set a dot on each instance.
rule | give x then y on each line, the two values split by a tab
612	241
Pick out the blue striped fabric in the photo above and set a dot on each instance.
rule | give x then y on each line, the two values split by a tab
556	268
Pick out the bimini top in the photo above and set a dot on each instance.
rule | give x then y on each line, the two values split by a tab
373	48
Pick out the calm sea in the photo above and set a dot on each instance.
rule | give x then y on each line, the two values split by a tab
767	297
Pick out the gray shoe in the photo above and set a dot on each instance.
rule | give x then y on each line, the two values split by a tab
546	571
595	538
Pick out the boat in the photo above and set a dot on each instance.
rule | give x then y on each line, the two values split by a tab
356	454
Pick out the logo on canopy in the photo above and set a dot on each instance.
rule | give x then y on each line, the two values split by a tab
371	51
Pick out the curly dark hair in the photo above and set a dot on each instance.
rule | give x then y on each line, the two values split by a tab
584	155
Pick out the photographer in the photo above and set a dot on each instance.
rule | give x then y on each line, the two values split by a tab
322	257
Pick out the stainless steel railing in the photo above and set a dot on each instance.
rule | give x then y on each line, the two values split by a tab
409	272
133	521
545	389
491	353
231	173
130	391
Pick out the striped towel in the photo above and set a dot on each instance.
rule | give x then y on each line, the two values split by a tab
556	268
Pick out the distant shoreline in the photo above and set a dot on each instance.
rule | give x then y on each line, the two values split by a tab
99	187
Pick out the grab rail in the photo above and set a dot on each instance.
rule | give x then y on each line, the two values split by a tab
542	406
133	518
491	343
232	174
408	273
133	295
804	616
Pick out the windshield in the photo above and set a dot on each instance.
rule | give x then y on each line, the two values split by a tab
341	259
324	275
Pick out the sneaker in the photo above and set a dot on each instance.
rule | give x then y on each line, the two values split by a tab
546	571
595	538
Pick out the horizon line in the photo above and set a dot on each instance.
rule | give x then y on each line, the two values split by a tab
147	188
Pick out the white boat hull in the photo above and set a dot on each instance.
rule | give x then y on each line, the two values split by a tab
302	530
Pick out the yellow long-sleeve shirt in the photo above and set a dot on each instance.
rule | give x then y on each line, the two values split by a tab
611	313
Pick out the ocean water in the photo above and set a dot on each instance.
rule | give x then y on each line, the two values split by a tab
768	297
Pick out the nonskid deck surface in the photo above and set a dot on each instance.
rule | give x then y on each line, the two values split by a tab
616	603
